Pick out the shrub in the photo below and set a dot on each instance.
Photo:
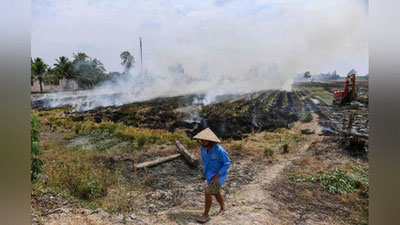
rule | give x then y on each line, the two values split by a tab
69	123
88	188
89	125
78	127
36	163
109	126
268	151
141	140
59	122
189	143
51	119
80	178
285	148
153	138
100	135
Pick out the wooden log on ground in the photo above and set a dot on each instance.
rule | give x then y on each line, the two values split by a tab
189	157
156	162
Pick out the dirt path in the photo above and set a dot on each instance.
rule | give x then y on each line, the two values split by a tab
253	204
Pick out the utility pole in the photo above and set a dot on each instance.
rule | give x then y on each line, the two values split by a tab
141	56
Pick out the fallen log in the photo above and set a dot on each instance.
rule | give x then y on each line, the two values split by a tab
189	157
156	162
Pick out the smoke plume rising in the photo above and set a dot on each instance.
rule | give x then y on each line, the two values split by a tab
229	47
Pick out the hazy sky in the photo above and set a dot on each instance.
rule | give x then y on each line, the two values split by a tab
227	37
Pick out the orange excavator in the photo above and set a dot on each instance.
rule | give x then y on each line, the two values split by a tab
349	92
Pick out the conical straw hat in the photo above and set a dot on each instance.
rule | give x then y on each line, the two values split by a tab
208	135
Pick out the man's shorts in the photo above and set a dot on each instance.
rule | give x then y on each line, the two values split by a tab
213	188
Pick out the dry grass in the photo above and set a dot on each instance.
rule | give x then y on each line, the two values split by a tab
267	144
76	174
88	182
305	194
122	200
308	165
83	173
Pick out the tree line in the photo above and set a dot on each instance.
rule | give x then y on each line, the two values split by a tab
86	71
327	76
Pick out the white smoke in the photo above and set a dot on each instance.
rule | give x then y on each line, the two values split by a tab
232	47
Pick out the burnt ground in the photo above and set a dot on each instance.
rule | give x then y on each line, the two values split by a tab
349	122
233	118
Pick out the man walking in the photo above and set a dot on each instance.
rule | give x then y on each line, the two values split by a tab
216	163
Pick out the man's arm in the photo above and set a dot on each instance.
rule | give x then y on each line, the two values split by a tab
226	162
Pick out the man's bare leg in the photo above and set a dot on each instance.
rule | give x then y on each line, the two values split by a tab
220	200
208	203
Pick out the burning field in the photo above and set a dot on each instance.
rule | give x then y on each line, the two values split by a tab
296	159
230	116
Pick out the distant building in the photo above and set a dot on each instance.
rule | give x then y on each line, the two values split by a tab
63	85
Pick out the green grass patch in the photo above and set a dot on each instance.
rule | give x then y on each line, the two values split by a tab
337	181
327	97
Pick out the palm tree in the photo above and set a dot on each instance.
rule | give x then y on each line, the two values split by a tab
51	76
307	75
90	73
64	67
127	59
38	70
80	56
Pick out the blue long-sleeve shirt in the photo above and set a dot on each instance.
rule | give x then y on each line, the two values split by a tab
215	161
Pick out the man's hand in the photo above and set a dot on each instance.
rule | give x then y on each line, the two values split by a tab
215	179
